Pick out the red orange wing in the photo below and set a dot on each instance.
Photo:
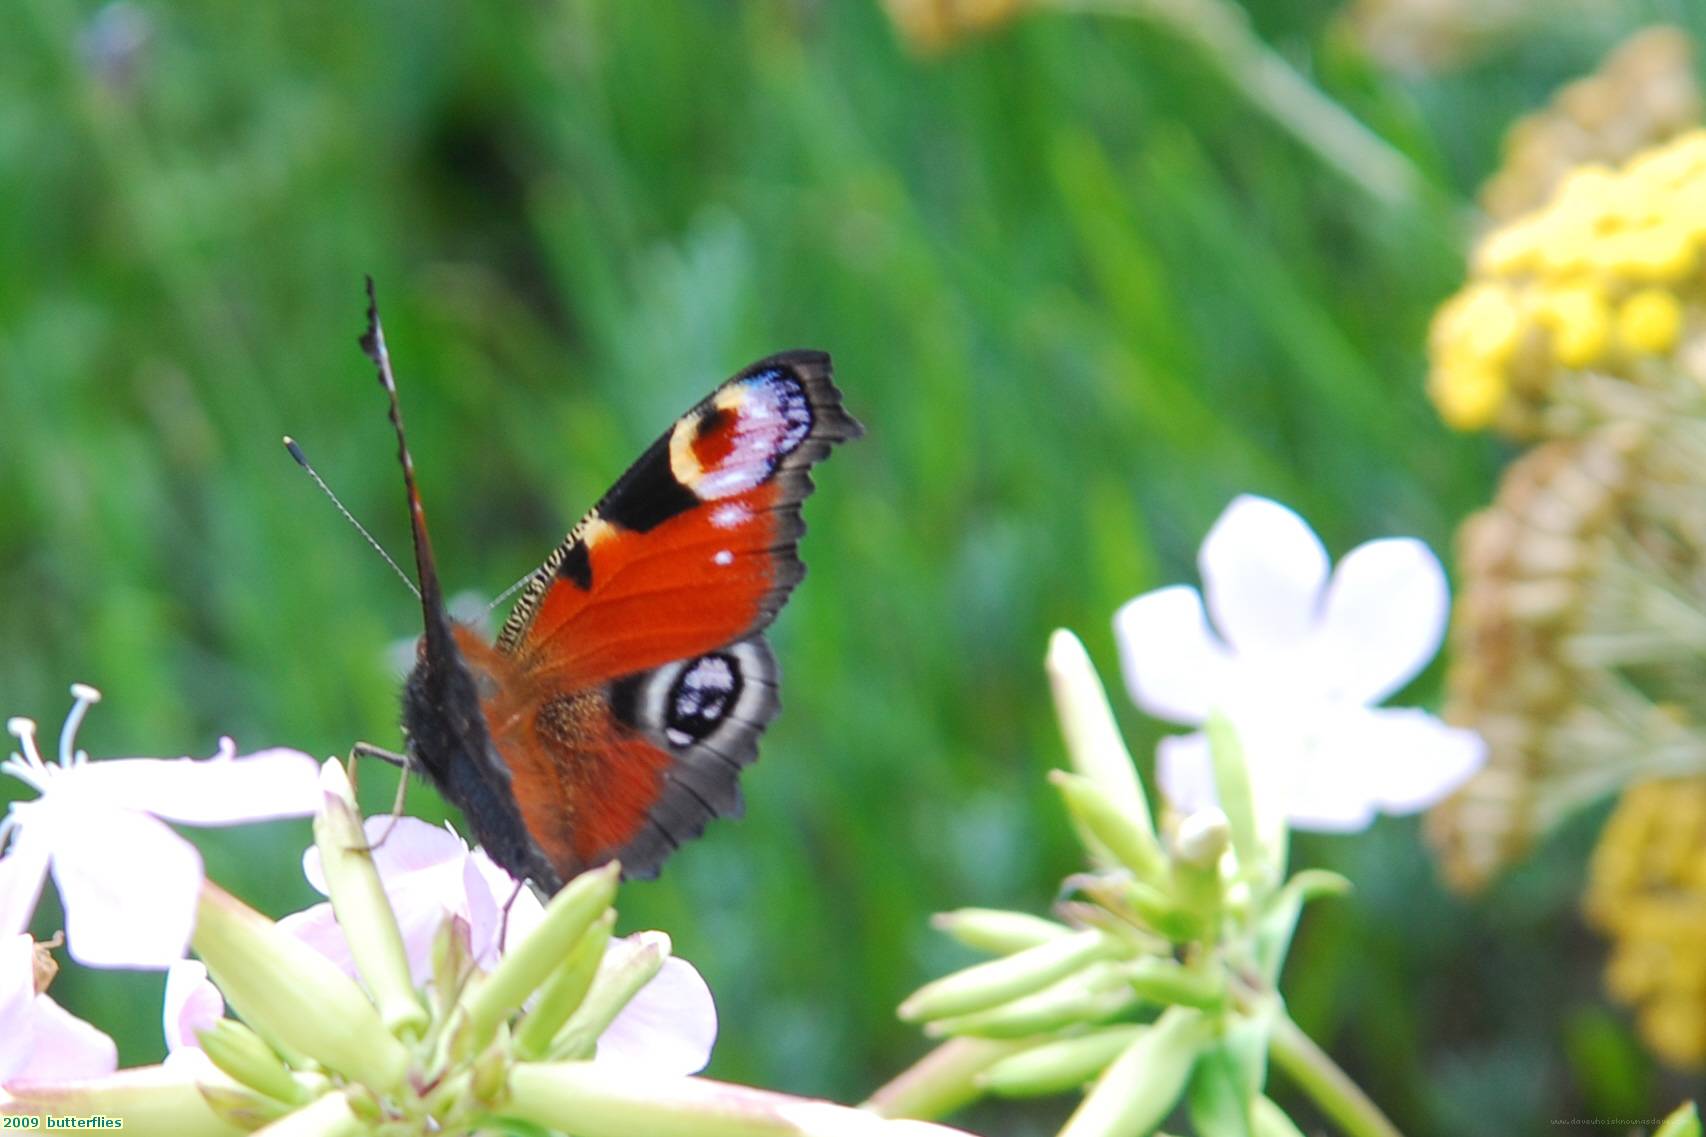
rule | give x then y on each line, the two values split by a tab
637	681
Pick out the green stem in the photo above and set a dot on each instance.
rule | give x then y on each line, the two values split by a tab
1317	1075
1273	86
942	1081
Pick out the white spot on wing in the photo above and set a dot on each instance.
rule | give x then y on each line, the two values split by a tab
723	557
730	516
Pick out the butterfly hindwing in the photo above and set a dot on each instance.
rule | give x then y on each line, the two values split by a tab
636	679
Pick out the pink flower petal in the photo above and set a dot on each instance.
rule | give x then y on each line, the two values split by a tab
22	870
1383	618
668	1028
524	909
401	845
17	1004
192	1004
129	886
318	928
66	1048
1175	666
212	791
1263	570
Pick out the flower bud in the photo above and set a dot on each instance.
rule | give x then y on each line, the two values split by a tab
363	910
1140	1087
1058	1066
1125	837
1167	982
628	965
268	976
1684	1121
1234	791
1092	736
1001	980
564	990
242	1106
527	964
998	932
1093	994
153	1101
1269	1120
329	1116
239	1052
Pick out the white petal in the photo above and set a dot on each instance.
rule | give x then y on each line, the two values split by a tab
17	1004
21	872
525	908
400	845
1383	619
667	1029
1175	667
129	886
1263	570
1392	760
1419	759
1185	770
483	914
318	928
192	1004
210	791
66	1049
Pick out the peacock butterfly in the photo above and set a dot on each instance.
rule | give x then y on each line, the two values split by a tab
627	689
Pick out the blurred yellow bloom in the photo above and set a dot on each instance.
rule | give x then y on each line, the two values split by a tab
1644	93
1647	892
1601	282
934	25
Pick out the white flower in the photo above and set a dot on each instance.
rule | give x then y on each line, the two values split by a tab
192	1005
39	1039
430	876
1297	661
129	884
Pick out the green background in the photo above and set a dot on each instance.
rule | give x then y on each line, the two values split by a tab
1080	292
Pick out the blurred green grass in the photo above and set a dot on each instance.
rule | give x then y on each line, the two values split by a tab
1080	294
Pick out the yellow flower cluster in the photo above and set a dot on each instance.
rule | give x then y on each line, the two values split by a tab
1647	891
1643	94
934	25
1603	280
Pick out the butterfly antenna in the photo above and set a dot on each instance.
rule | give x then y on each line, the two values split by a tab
290	444
510	591
432	595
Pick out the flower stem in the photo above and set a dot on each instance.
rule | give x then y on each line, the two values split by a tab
942	1081
1315	1072
1273	86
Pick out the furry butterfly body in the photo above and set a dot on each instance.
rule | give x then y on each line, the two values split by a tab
630	684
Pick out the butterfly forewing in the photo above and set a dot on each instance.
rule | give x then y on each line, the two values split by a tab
631	682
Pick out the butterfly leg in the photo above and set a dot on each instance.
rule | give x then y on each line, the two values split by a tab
401	761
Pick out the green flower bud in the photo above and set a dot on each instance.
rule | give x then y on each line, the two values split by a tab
329	1116
998	932
1237	797
269	977
1684	1121
1162	911
1091	995
1092	736
242	1106
1279	922
1126	837
598	1101
1167	981
1058	1066
1002	980
153	1101
1269	1120
239	1052
1140	1086
1215	1101
563	992
627	966
527	964
362	908
943	1081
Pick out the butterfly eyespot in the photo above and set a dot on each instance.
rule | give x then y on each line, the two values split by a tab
701	697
